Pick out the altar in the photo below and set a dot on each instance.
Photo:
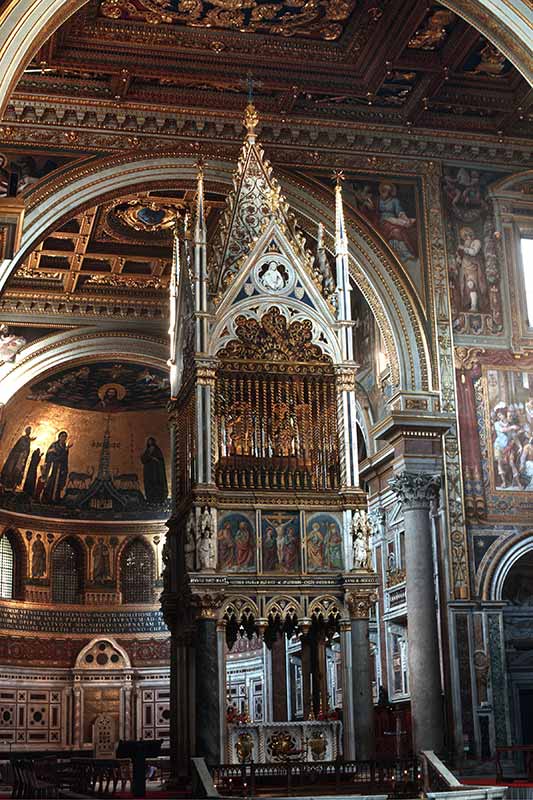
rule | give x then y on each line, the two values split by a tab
276	742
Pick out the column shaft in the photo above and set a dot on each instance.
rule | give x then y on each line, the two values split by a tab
362	691
306	676
423	653
208	692
279	679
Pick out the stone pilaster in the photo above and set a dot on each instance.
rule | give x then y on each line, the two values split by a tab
416	491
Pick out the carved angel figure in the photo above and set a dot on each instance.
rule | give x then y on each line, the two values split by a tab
189	546
206	545
361	529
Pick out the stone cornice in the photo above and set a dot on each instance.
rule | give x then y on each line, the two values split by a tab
96	126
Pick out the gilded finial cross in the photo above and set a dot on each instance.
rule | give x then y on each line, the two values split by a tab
250	86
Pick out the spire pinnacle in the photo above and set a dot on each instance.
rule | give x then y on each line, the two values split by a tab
200	230
341	244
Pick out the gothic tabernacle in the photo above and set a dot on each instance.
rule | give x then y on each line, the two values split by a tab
266	398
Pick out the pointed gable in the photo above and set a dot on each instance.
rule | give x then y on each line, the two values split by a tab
256	199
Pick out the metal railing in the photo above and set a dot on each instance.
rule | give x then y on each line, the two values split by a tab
398	778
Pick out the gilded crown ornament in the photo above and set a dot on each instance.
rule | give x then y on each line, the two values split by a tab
251	119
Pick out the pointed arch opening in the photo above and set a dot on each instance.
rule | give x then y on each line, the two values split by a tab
67	571
137	572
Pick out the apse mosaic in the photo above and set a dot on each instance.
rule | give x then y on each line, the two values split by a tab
66	451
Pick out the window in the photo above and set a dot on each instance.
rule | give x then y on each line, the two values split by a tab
137	573
67	580
526	246
6	569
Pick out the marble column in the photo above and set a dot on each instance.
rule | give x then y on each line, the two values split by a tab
359	602
416	492
279	679
306	676
348	730
208	689
182	704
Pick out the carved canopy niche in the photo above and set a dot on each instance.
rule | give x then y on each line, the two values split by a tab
276	406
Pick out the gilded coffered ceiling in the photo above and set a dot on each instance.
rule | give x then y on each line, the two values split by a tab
316	19
122	247
403	63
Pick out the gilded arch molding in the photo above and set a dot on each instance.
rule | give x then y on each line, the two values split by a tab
373	269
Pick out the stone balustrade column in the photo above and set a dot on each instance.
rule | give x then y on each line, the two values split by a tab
359	602
416	492
77	718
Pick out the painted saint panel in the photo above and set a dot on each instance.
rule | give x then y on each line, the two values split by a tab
281	548
391	206
473	259
324	543
68	451
509	418
236	543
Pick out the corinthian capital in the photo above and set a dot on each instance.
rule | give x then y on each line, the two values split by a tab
415	489
360	602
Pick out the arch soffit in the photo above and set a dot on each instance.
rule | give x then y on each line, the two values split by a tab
512	184
76	346
498	562
389	297
26	24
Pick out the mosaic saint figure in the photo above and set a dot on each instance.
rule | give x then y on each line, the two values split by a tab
270	557
56	469
31	475
244	545
226	546
334	547
38	558
101	562
315	547
15	464
290	550
154	473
